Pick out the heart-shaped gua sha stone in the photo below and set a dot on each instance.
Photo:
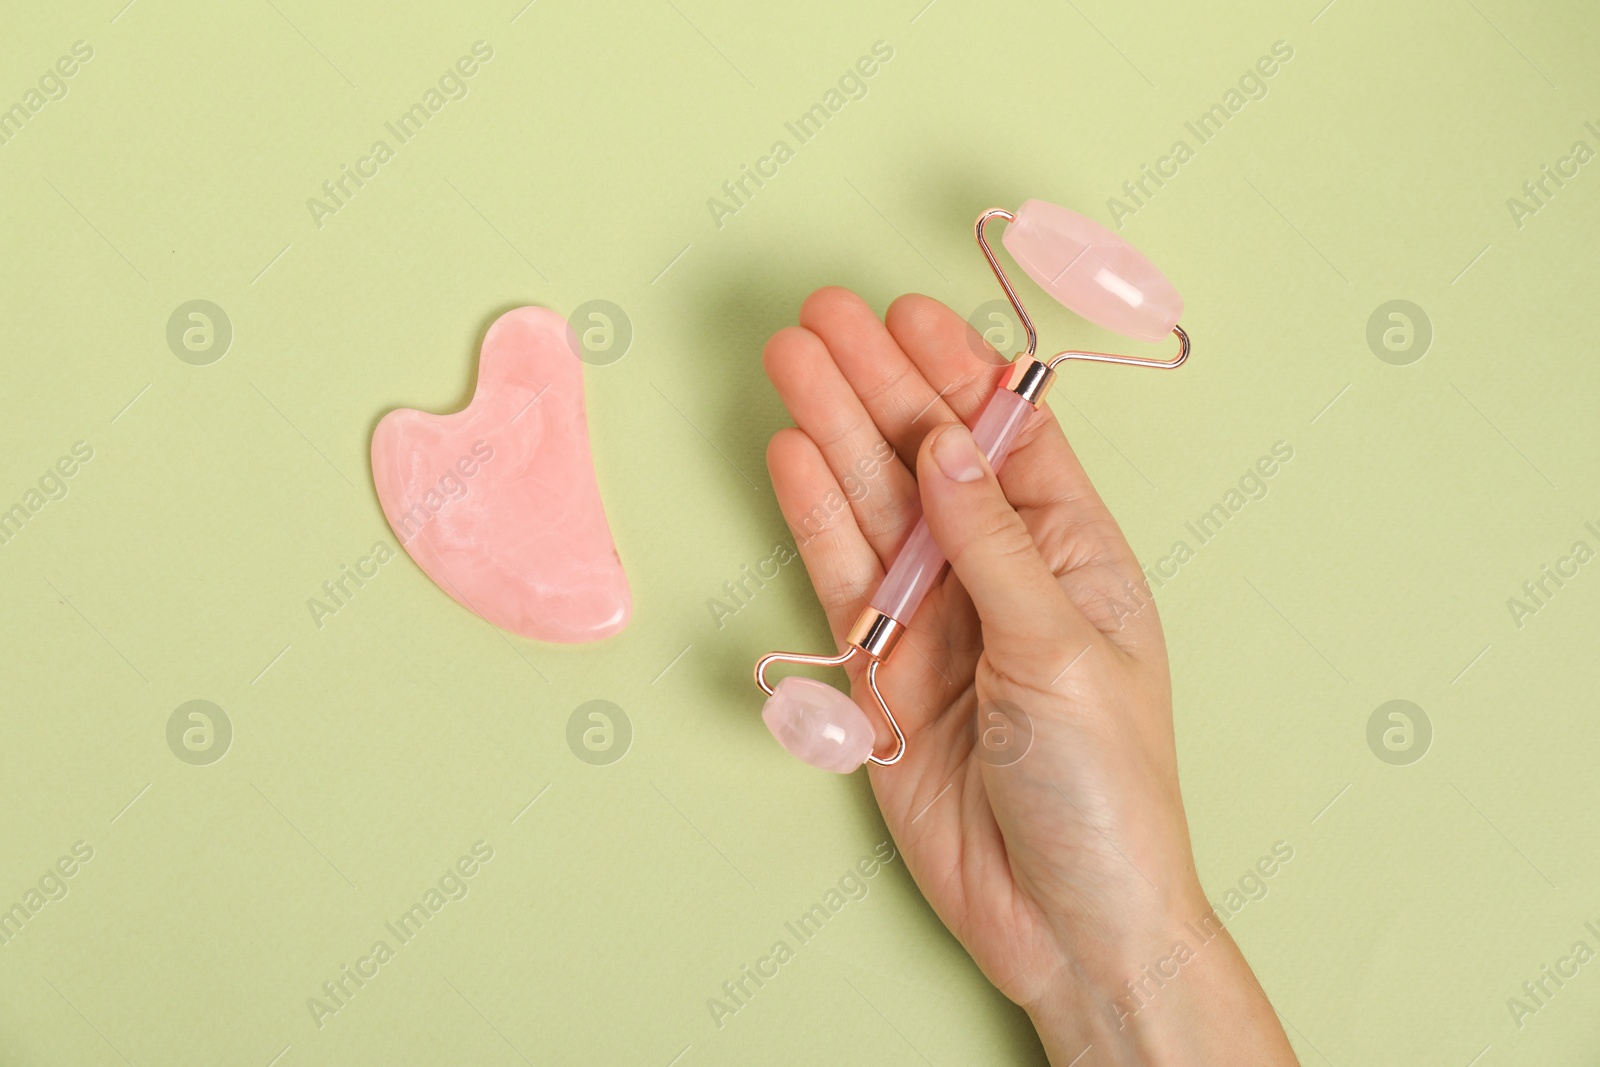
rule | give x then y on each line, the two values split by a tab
498	503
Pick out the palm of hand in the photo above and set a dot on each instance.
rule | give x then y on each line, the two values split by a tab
1027	858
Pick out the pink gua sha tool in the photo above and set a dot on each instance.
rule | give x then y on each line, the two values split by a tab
1096	274
498	503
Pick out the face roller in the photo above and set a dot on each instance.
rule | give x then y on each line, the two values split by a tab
1094	273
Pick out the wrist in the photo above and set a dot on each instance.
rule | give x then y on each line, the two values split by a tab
1177	992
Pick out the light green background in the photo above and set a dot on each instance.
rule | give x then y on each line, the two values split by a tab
369	754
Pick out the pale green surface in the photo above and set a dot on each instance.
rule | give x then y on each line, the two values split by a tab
377	749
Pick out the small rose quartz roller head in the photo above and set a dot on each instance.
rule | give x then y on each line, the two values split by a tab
1093	272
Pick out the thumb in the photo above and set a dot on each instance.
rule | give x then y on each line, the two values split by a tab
1019	601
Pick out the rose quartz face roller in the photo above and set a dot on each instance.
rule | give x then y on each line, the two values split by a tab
1096	274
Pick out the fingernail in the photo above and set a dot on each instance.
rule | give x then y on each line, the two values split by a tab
957	455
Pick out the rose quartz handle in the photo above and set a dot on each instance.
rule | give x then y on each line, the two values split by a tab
921	562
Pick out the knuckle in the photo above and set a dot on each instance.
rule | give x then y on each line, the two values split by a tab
888	387
997	532
886	522
1091	539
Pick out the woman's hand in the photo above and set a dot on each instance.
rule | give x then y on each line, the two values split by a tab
1037	805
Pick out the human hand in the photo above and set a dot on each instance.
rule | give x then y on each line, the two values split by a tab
1067	874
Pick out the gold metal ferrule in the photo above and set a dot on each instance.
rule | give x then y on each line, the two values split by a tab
875	633
1031	379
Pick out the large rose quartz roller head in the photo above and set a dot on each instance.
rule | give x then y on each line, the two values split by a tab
1101	277
1092	271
